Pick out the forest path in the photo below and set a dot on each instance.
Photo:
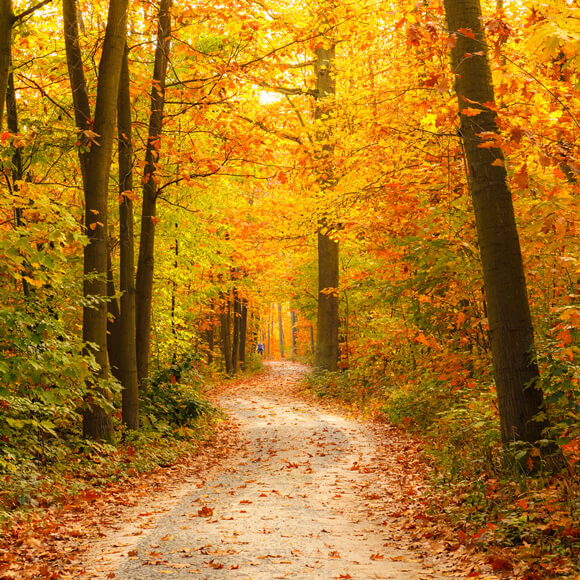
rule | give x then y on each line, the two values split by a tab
305	493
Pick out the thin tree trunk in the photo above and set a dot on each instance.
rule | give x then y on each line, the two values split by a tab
113	314
17	171
96	166
225	330
516	371
311	339
6	22
237	315
269	333
280	330
174	297
293	330
209	338
145	264
243	332
328	263
127	347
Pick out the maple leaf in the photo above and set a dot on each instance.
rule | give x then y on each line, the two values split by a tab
467	32
471	112
205	512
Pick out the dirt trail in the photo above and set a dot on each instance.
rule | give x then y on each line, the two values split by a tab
298	499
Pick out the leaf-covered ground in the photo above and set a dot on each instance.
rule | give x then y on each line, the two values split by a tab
288	489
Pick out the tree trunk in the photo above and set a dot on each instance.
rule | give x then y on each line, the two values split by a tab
280	330
113	324
328	263
6	22
516	372
209	338
145	264
96	165
127	347
237	316
174	296
243	332
293	330
226	333
17	166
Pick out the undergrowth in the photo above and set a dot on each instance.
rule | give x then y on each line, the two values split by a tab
489	496
42	470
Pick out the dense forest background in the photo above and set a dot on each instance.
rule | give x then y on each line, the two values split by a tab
182	180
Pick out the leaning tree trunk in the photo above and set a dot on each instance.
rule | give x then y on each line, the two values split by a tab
516	371
6	22
145	264
95	166
328	265
127	361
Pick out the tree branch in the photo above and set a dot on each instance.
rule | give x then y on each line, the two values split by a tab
30	10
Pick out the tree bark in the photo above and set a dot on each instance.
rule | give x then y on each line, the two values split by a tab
127	347
293	330
328	264
280	330
145	264
6	22
243	332
516	372
113	314
225	330
96	165
17	166
237	318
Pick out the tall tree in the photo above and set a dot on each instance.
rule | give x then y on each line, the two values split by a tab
328	263
236	334
516	371
146	261
6	21
97	136
280	330
127	371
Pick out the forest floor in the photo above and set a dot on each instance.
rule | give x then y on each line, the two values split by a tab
290	488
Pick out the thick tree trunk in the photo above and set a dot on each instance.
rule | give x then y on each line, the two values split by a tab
328	321
328	263
96	165
516	372
280	330
6	22
127	348
145	264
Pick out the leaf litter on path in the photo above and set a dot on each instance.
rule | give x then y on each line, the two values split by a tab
290	489
307	492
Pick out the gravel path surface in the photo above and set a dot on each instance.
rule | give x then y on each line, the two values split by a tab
294	501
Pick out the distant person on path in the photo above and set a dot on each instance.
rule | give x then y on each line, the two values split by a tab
260	349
